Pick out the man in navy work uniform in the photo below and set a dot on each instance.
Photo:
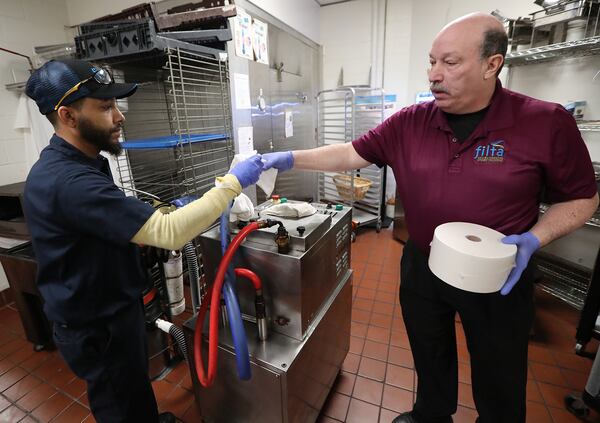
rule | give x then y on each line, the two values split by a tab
84	232
482	154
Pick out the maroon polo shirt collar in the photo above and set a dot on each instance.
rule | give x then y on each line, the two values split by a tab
499	115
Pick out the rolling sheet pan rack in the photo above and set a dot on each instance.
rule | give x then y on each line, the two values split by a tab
343	115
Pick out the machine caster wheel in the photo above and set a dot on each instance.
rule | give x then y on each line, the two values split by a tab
576	406
378	227
353	236
579	349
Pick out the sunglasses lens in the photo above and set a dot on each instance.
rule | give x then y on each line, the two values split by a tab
103	77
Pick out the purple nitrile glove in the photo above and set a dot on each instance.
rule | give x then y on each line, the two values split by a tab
281	161
527	244
248	171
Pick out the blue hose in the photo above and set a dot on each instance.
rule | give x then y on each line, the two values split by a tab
234	314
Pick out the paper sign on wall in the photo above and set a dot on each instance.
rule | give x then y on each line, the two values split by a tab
242	28
289	124
242	91
260	37
246	139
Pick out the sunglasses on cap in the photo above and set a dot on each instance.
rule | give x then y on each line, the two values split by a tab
101	76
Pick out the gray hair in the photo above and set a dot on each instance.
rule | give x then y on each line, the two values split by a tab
495	41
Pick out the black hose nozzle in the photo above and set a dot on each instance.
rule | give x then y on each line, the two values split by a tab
259	305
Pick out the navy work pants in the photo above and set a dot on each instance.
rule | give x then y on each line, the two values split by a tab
111	356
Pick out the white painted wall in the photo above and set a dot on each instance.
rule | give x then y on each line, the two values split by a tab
350	41
397	47
429	16
346	37
302	15
410	27
558	81
564	81
23	25
80	11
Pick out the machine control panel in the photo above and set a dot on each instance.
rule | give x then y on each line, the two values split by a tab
304	231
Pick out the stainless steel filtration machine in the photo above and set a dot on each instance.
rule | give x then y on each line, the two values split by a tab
308	298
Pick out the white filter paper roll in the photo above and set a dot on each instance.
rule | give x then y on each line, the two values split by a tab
471	257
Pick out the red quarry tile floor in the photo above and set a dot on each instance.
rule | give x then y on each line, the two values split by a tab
377	380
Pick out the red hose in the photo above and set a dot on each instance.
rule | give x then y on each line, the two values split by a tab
250	275
215	301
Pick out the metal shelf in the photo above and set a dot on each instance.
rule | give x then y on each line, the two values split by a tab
589	125
564	280
187	95
594	220
579	48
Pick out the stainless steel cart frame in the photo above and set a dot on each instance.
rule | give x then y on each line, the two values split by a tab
343	115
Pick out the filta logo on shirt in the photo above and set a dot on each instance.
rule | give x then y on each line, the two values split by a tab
493	152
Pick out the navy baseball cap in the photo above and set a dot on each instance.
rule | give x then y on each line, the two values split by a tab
48	85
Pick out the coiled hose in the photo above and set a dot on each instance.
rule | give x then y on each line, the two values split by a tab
193	273
207	378
234	314
176	333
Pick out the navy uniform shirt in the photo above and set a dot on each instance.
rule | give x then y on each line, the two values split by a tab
81	225
494	177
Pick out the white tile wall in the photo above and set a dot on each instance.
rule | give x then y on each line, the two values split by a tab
23	25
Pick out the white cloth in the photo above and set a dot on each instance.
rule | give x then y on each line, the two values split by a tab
242	208
266	181
290	210
36	129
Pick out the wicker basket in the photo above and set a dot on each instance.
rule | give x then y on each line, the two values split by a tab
343	183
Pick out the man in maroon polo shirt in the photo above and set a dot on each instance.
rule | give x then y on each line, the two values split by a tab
479	153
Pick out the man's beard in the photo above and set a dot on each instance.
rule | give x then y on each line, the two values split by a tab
100	138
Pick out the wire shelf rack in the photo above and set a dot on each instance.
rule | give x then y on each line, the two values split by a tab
564	29
177	134
563	280
589	125
592	221
579	48
344	114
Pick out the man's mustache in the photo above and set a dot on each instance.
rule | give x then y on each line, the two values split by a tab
438	88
